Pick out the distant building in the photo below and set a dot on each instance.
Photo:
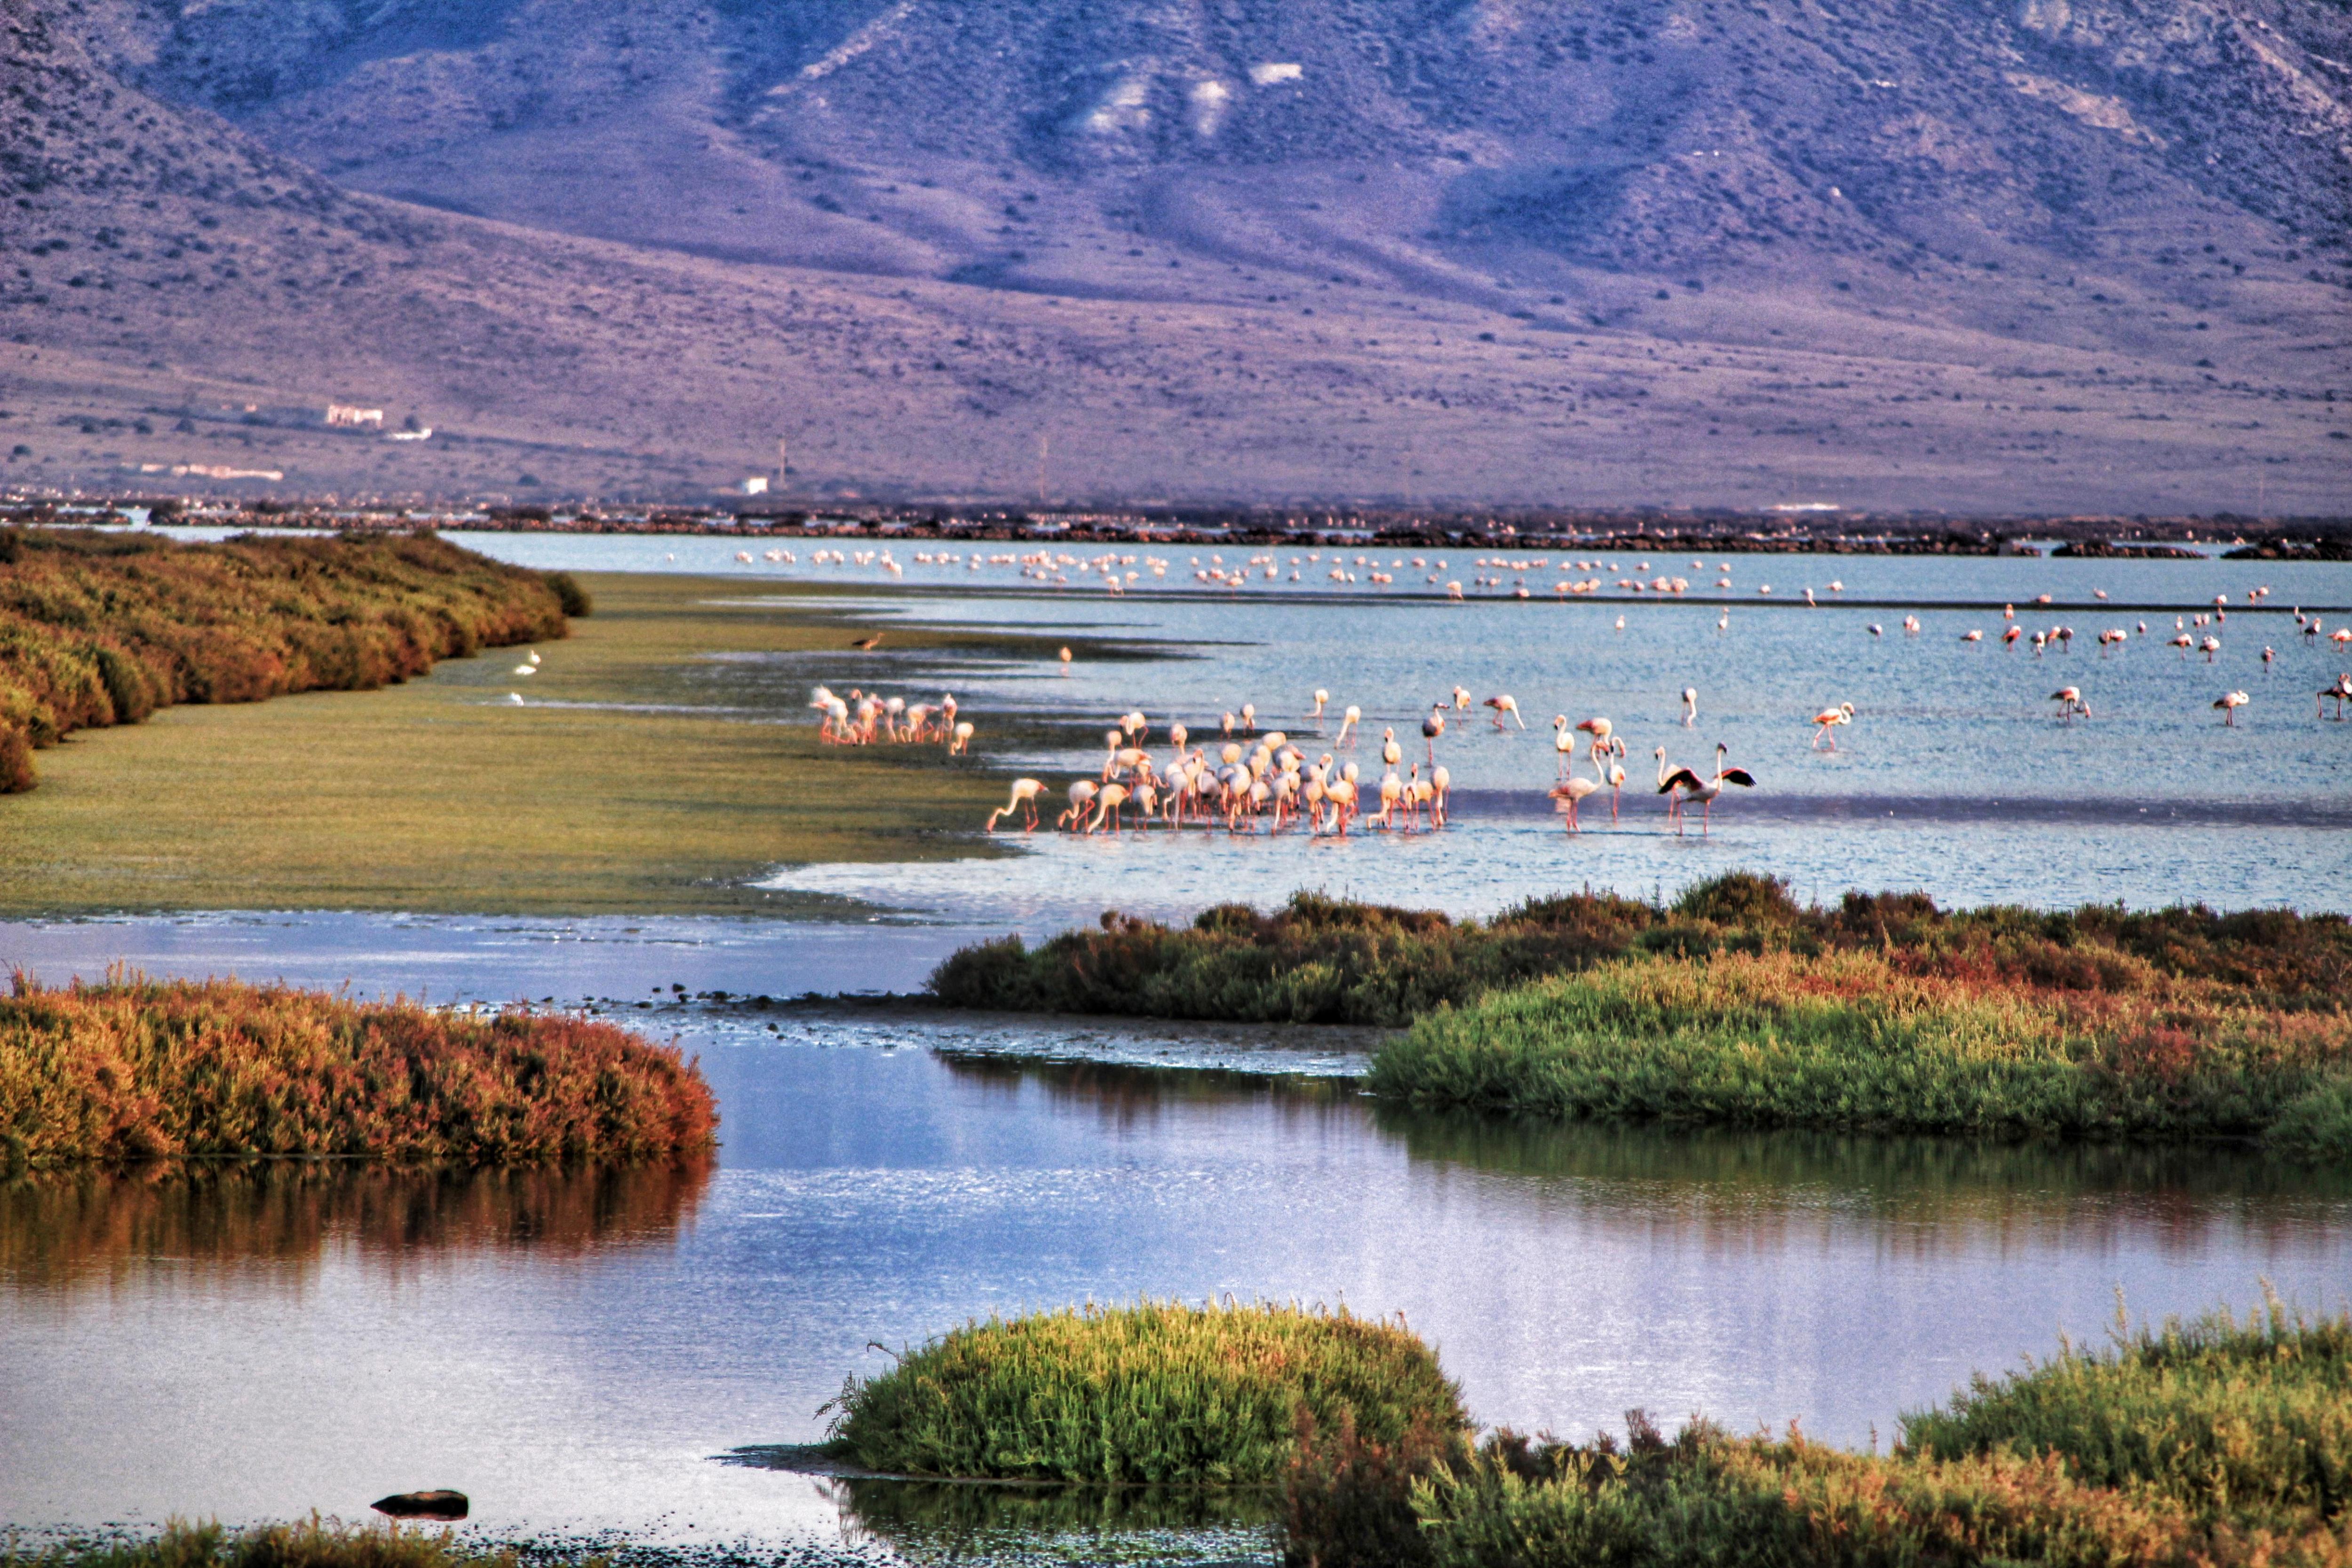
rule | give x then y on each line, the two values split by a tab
352	416
757	485
424	434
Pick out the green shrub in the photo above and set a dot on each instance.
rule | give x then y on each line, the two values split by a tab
571	595
1850	1040
2316	1126
2233	1418
1152	1393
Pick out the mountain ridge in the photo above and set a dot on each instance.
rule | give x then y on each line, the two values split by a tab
1488	252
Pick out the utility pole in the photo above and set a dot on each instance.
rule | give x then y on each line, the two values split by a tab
1043	442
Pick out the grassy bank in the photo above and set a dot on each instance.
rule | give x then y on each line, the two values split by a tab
1862	1041
1154	1393
134	1071
1736	1006
1319	960
666	756
2220	1443
98	629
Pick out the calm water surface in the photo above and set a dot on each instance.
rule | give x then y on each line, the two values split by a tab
573	1353
576	1353
1956	777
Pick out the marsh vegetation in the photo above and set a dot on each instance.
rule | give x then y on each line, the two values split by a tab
1736	1006
136	1070
1154	1393
98	629
2221	1441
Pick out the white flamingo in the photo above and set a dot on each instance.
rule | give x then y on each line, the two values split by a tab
1505	703
1025	795
2229	702
1829	719
1570	792
1690	706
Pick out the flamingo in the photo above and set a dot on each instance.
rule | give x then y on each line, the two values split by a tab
2338	693
1972	635
1461	699
960	741
2070	703
1505	703
1569	792
1065	662
1082	797
1440	785
2211	647
1433	727
1687	785
2229	702
1829	718
1613	773
2184	642
1249	718
1024	793
1911	625
1876	630
1107	802
1563	742
1690	706
1322	700
1349	717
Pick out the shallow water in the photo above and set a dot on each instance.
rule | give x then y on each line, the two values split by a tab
1955	777
575	1353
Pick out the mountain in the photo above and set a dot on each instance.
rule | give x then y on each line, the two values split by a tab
1935	254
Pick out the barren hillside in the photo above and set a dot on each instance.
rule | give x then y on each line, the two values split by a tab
2049	255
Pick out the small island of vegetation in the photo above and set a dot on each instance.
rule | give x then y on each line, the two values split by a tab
1735	1006
137	1070
101	628
1155	1394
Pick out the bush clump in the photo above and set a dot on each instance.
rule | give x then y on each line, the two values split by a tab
1154	1393
104	628
1327	960
2220	1445
1857	1040
135	1070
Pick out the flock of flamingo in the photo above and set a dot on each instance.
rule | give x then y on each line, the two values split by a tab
1258	779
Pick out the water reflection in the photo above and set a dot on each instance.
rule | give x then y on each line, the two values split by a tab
85	1227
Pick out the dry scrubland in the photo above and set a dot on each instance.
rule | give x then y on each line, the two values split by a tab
98	629
133	1070
1735	1006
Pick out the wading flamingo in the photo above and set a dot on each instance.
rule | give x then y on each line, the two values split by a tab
1082	799
1322	700
2070	703
1567	795
1688	786
2229	702
1350	717
1025	795
1505	703
1391	752
1611	761
1563	742
1690	706
960	738
1433	727
2338	694
1829	718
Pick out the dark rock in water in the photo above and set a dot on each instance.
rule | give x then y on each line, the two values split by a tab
443	1505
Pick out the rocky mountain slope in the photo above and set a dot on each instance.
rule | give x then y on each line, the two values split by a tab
2045	255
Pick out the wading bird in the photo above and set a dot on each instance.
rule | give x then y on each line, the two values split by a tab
1349	717
2229	702
2338	694
1505	703
1082	799
1563	743
1433	727
1829	718
1690	706
1567	795
2070	703
960	738
1024	798
1687	785
867	644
